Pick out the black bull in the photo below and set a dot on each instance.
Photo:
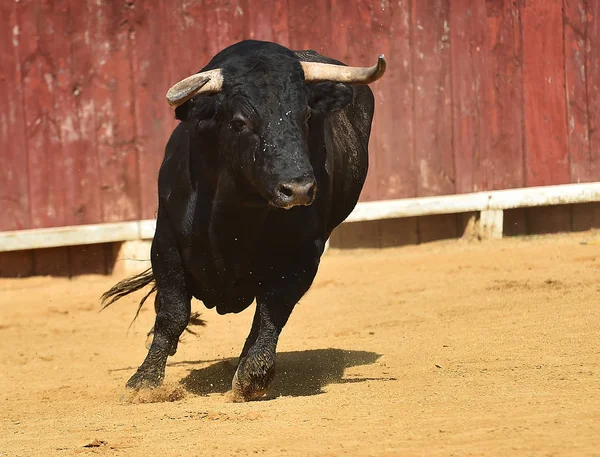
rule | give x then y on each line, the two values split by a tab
271	154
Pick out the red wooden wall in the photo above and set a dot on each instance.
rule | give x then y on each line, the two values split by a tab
479	94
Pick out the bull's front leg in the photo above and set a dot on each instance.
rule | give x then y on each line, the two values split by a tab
173	309
256	368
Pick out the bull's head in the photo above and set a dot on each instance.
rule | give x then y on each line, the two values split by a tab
259	106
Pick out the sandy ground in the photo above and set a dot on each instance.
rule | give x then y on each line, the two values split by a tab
450	348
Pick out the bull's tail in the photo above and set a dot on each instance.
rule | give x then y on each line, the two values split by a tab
135	283
127	286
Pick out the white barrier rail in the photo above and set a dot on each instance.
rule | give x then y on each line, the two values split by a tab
490	204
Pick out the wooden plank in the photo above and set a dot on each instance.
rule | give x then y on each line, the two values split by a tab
547	160
433	109
69	236
392	136
266	20
309	23
44	148
63	39
471	80
258	19
51	262
585	216
382	154
491	223
224	23
593	90
112	92
398	232
16	264
360	235
515	222
549	219
281	30
501	161
438	227
421	206
501	199
76	112
151	81
232	22
583	166
392	148
14	192
184	23
87	260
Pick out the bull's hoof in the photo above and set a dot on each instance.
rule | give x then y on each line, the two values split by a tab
251	380
145	379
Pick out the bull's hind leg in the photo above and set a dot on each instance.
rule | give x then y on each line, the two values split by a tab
256	367
173	308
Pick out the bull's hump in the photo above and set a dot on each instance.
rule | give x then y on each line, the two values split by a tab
306	54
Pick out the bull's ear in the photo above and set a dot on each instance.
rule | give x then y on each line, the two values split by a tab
201	111
328	97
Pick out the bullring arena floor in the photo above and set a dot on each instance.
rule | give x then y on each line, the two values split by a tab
449	348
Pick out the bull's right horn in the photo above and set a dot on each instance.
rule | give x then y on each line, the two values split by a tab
321	72
207	82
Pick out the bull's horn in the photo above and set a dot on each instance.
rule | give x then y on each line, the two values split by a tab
207	82
320	72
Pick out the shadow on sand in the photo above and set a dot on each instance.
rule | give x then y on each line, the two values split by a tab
301	373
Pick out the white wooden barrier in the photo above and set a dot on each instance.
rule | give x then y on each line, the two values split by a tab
489	204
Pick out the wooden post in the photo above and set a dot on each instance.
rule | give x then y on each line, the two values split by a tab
490	224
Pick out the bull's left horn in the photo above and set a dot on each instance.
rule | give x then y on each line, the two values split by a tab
207	82
320	72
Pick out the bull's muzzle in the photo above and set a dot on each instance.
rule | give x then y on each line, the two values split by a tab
294	193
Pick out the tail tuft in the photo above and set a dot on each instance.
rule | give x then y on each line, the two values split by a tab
127	286
135	283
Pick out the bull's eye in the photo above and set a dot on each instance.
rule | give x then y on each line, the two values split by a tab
239	122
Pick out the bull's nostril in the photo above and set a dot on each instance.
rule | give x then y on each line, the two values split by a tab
285	190
296	192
